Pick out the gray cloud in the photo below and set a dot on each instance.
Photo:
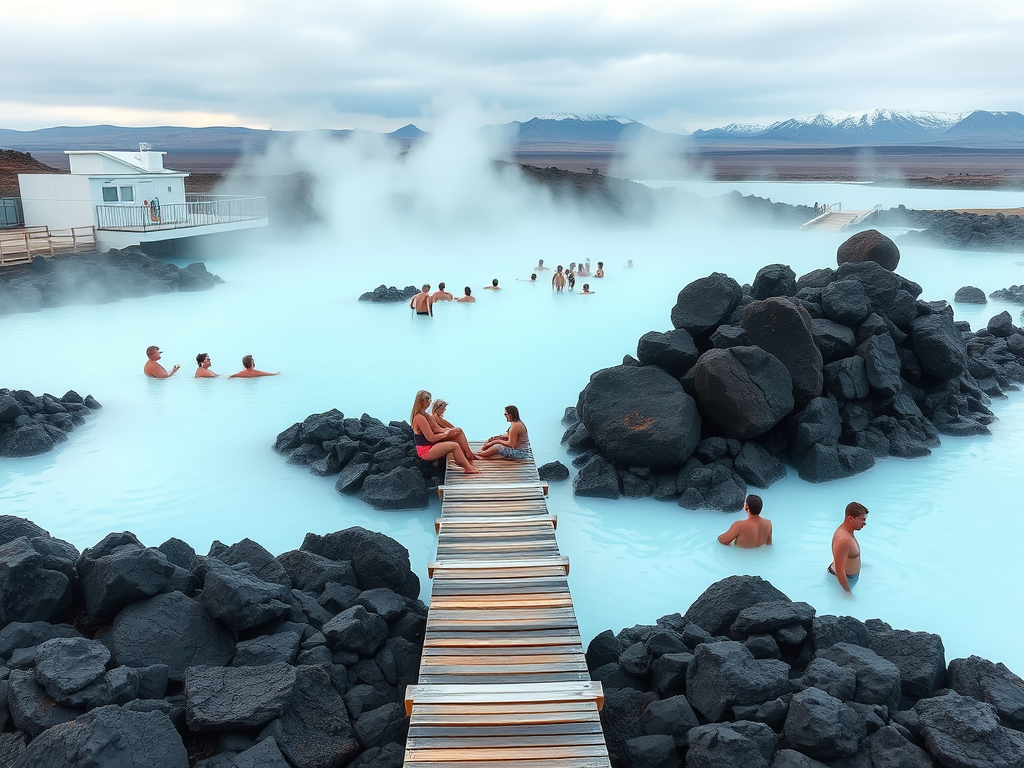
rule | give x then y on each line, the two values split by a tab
368	64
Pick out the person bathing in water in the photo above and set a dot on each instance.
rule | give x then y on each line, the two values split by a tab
203	371
422	303
846	564
153	369
249	370
755	531
435	444
513	444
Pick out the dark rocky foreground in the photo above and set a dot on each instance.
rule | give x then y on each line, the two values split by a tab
825	373
746	678
31	425
125	655
384	295
956	230
95	278
375	460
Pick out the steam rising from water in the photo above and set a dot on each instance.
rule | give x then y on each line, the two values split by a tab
192	458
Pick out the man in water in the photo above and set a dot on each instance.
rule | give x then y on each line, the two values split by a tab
441	294
845	565
755	531
249	370
540	266
468	298
203	371
422	303
493	286
153	369
558	280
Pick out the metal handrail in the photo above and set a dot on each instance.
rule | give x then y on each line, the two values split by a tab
197	211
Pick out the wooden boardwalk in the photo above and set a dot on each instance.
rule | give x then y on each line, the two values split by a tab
503	679
19	246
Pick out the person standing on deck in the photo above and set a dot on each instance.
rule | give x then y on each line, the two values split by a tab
846	563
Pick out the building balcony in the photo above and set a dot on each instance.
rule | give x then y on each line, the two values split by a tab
197	211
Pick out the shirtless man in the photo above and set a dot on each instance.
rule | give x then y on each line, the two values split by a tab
755	531
249	370
587	291
441	294
493	286
468	297
600	269
153	369
203	371
845	565
558	280
540	266
422	302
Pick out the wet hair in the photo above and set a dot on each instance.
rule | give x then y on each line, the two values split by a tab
494	282
533	276
247	362
540	261
425	288
438	406
419	404
468	292
754	504
150	350
440	286
600	263
200	357
559	267
586	286
512	411
856	509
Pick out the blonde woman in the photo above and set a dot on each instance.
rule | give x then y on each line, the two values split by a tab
431	443
440	423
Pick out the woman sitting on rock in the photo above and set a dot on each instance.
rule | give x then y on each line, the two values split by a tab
514	444
440	424
431	443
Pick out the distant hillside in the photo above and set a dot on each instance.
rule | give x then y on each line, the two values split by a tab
11	164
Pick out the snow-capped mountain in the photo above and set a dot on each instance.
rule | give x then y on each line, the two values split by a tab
879	127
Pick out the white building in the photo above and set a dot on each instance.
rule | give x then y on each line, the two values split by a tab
131	199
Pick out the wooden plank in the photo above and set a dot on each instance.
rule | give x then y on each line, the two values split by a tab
457	565
504	753
524	692
577	762
504	730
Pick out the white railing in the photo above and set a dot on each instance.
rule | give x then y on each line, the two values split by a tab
196	211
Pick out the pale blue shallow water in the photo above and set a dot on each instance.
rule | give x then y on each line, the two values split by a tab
192	458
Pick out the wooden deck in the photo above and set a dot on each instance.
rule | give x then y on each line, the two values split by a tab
503	679
19	246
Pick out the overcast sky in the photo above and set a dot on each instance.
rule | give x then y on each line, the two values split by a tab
379	64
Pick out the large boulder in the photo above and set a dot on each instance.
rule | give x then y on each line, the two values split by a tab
597	479
774	280
920	658
878	680
674	351
939	345
672	716
640	416
401	488
724	745
109	737
869	245
311	572
35	585
719	605
223	698
960	731
239	598
846	302
822	726
783	328
724	675
314	727
968	294
379	561
33	710
66	665
992	683
705	303
356	630
170	629
263	564
744	390
120	571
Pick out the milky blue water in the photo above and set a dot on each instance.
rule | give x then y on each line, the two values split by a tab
191	458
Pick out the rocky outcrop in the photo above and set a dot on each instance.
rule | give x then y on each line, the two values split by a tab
827	373
955	229
746	677
968	294
384	295
31	425
238	658
95	278
375	460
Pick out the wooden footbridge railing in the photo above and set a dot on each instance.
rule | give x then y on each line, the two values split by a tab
503	679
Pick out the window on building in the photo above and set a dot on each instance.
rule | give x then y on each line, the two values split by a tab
127	194
110	194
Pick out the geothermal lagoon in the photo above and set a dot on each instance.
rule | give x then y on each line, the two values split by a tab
192	458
